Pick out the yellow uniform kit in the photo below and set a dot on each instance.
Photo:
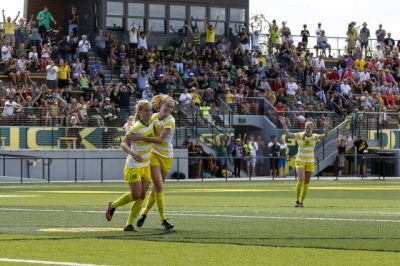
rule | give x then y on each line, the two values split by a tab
134	171
163	153
305	155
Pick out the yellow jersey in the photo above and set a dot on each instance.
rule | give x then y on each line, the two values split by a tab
305	152
164	149
9	27
63	72
141	147
210	35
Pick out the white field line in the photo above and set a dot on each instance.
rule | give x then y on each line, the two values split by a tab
44	262
204	214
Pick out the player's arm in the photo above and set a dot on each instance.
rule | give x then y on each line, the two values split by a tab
158	140
326	129
285	129
126	147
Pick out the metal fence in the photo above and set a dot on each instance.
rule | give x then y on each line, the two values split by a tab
379	165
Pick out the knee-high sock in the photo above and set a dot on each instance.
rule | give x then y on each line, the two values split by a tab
135	210
299	188
160	204
124	199
149	204
304	192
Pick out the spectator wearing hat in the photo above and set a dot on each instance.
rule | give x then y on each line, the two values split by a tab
9	28
274	153
352	37
364	38
237	154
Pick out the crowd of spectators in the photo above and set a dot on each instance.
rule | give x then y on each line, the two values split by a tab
203	76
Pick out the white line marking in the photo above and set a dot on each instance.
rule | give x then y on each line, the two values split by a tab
45	262
18	196
204	214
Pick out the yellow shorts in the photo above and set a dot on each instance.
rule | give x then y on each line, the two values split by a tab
308	166
164	163
133	175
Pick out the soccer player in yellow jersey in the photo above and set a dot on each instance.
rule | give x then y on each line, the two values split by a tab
137	172
161	156
305	161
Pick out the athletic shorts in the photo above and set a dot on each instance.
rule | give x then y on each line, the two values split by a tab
251	161
308	166
164	163
133	175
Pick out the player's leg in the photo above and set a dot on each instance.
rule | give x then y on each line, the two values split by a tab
131	178
137	205
300	170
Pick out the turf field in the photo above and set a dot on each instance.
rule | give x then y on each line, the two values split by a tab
217	223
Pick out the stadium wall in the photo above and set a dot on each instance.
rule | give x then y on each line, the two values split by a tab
71	165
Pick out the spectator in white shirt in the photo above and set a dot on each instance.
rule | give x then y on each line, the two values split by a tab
185	98
9	106
319	62
378	53
6	53
345	88
51	76
33	58
291	89
84	47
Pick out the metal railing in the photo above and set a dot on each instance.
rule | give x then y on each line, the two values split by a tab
338	44
381	165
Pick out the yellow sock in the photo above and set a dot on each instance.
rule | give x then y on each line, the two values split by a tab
160	204
135	210
304	192
124	199
149	204
299	188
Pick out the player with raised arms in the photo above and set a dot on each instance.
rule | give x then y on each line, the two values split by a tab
305	159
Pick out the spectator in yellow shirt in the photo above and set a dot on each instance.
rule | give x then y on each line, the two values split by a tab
360	63
210	32
9	28
196	98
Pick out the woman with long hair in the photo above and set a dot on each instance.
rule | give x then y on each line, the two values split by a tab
137	172
161	156
305	160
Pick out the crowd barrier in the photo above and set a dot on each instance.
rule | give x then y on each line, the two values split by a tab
32	169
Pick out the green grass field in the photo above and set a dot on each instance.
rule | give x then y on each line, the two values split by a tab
217	223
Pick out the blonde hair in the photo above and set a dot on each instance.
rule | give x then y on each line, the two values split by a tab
309	123
139	106
159	100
